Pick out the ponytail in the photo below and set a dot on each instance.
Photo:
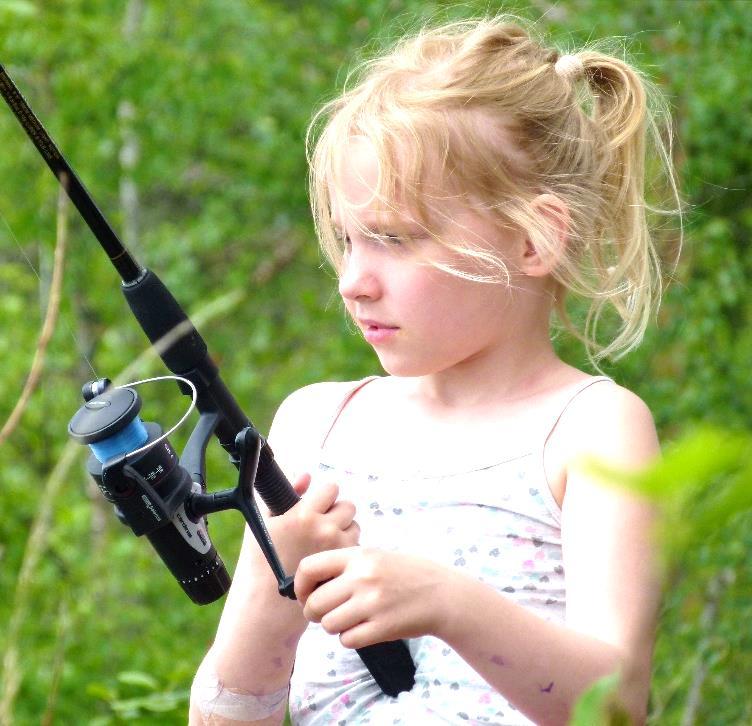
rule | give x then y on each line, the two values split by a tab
621	267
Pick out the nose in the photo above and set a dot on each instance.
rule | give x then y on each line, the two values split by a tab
359	279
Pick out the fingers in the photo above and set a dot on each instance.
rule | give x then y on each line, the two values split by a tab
322	500
341	590
342	513
326	597
318	568
321	497
362	634
352	534
318	522
334	605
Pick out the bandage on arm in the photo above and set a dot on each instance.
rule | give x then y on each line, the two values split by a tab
218	704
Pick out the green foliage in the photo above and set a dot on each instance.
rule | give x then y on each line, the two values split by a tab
701	485
138	696
202	107
702	489
597	707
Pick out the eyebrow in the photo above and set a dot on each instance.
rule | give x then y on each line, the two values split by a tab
392	228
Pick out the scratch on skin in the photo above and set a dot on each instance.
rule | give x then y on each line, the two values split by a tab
548	688
498	660
277	662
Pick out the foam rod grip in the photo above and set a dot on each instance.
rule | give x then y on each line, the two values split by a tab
391	666
163	320
272	485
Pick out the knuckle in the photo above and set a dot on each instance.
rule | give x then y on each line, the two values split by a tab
330	489
369	562
310	614
304	568
329	533
328	625
372	599
305	517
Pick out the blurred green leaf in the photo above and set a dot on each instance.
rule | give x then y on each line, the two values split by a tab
597	707
19	8
135	678
697	458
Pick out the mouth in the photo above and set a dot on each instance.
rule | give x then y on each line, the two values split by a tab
375	331
367	324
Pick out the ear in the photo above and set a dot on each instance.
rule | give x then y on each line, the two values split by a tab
553	214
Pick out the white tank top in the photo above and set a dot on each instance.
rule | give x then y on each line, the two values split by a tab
499	523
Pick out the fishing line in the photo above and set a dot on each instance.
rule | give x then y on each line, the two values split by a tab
194	397
66	324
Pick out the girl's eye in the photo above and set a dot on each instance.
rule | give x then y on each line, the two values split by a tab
391	239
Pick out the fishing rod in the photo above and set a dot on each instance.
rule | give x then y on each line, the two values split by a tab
154	491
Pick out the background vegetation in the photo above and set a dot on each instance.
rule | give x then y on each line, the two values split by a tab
186	122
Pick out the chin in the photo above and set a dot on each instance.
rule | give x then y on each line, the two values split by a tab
398	368
402	368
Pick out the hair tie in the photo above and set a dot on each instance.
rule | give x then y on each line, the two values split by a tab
569	67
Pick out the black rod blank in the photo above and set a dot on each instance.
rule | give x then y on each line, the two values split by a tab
123	261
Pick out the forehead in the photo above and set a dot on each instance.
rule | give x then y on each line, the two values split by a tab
360	191
358	172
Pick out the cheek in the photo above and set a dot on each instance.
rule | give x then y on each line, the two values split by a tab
474	310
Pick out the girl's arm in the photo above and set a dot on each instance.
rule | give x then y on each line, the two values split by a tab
541	667
253	652
611	579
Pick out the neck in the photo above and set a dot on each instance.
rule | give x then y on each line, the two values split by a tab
490	381
521	364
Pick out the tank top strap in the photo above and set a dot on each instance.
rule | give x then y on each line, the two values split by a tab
565	401
357	386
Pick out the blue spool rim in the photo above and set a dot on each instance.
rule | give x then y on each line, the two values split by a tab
194	396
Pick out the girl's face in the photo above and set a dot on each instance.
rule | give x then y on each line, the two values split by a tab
420	320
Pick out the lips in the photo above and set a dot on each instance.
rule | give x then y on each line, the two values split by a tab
375	324
375	331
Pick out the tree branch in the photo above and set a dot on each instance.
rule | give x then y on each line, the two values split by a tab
716	589
50	320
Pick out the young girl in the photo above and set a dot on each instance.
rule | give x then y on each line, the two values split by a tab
463	188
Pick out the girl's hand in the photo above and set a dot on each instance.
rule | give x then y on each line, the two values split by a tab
318	522
371	596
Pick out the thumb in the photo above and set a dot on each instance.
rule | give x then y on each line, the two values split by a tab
301	484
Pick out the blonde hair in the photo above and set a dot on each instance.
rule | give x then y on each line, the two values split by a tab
507	119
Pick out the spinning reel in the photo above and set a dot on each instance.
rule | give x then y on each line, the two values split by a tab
163	496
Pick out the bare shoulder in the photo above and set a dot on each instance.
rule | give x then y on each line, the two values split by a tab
312	397
611	422
305	411
616	423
